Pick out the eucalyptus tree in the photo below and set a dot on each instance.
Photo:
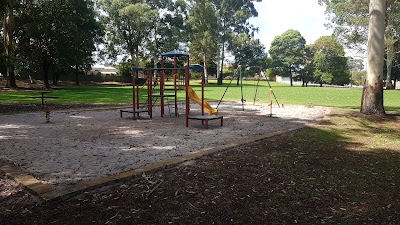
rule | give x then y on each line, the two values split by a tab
372	100
56	35
392	37
350	20
287	52
307	70
7	8
233	19
247	50
373	20
204	33
3	66
330	63
170	31
128	24
143	29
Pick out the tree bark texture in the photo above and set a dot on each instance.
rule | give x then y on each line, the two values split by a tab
8	29
76	71
205	68
46	68
221	74
372	99
390	42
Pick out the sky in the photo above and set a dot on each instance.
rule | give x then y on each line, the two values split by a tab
277	16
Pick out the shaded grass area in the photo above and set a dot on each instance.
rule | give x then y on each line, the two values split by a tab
345	170
114	94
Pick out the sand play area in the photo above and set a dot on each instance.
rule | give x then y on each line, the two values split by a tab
80	145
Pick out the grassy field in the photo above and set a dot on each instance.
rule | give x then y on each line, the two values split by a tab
113	94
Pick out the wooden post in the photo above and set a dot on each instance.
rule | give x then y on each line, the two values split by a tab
162	86
133	93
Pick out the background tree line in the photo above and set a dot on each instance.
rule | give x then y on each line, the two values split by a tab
324	61
46	38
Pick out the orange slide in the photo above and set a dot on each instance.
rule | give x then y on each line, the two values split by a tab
192	95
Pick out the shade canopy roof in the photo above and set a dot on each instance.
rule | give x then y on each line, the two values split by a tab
196	67
174	53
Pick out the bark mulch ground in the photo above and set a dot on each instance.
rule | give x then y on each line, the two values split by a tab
288	179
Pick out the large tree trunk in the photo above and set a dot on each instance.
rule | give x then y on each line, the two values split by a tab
220	77
133	50
76	71
8	29
205	69
218	65
372	99
46	68
54	75
390	42
291	76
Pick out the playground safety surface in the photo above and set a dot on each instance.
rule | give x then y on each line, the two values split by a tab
83	149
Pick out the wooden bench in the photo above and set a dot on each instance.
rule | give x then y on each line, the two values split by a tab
207	118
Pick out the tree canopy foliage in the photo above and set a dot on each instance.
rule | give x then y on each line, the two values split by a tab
330	63
50	36
204	33
53	37
233	16
350	19
287	51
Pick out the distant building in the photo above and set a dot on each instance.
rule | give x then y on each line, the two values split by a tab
103	70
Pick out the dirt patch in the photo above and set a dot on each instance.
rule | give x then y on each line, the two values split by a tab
80	145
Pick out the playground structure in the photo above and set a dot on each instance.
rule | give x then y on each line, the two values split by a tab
164	91
136	82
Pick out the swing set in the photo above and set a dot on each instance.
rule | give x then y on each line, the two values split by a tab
239	75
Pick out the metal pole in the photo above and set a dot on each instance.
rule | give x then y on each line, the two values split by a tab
187	93
202	91
255	95
162	86
273	93
175	72
134	95
150	93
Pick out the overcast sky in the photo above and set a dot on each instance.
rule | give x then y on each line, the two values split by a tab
277	16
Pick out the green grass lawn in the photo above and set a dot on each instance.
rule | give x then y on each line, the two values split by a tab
315	96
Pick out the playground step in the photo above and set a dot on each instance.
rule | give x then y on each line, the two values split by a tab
165	95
